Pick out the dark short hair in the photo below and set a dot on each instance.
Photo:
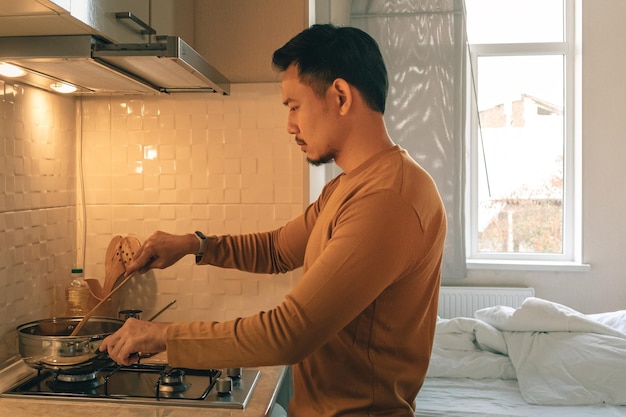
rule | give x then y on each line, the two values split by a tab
326	52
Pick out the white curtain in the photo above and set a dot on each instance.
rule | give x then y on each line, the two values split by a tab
423	43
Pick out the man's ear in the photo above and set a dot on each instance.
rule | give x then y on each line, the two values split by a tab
342	95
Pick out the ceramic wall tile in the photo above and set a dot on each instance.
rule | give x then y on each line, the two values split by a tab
176	163
196	162
37	206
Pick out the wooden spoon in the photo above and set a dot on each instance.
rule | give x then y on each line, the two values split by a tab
129	246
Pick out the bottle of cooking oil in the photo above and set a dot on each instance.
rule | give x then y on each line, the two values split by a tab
77	295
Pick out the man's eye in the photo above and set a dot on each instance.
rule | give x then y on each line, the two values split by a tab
293	108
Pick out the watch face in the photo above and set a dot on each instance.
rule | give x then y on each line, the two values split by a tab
202	238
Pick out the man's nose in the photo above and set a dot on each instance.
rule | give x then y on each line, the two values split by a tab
292	128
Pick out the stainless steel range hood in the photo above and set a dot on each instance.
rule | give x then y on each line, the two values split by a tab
168	65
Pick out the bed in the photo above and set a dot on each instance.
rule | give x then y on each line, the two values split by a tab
538	359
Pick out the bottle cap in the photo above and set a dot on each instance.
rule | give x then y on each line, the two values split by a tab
77	270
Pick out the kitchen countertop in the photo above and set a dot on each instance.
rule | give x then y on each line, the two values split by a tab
260	404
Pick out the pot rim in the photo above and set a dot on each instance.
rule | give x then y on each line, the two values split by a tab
65	319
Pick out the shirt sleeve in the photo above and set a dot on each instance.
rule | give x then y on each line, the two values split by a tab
272	252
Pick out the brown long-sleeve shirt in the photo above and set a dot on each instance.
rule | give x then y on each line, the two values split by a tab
359	324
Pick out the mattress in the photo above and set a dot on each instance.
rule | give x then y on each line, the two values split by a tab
539	359
464	397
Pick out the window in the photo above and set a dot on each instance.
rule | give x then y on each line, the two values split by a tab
521	171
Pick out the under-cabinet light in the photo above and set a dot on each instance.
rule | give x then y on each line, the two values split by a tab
60	87
10	70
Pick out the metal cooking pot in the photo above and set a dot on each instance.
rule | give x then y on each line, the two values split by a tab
47	344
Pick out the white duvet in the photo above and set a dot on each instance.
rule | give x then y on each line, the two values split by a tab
558	355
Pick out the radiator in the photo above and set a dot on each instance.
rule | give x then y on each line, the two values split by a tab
463	301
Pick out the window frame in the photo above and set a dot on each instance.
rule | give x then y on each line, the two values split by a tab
571	256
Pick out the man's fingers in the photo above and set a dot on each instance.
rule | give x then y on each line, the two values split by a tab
142	262
147	266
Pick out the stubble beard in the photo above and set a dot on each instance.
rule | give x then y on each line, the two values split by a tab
324	159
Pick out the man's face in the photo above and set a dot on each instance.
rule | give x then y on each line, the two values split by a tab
309	119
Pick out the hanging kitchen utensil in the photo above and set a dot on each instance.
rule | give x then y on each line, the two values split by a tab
128	247
113	265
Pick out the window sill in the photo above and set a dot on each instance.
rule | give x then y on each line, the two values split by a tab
509	265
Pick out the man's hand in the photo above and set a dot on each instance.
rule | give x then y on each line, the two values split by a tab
162	250
135	336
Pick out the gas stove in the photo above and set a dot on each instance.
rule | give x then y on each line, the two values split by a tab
145	384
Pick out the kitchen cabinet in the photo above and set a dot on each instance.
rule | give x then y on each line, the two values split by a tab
173	17
32	18
241	36
101	16
80	17
165	17
173	65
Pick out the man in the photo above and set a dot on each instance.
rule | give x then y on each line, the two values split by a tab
359	325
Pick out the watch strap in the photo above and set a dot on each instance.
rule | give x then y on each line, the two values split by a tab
202	238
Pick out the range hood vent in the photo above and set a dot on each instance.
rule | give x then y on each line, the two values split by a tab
166	66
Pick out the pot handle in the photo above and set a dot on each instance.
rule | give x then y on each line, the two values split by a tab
94	344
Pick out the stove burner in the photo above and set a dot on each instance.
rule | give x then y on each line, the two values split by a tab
172	381
86	383
77	378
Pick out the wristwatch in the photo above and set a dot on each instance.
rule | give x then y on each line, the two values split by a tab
202	238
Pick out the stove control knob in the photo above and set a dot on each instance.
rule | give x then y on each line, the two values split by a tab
224	386
234	372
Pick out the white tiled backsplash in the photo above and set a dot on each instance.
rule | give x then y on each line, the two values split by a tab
179	163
